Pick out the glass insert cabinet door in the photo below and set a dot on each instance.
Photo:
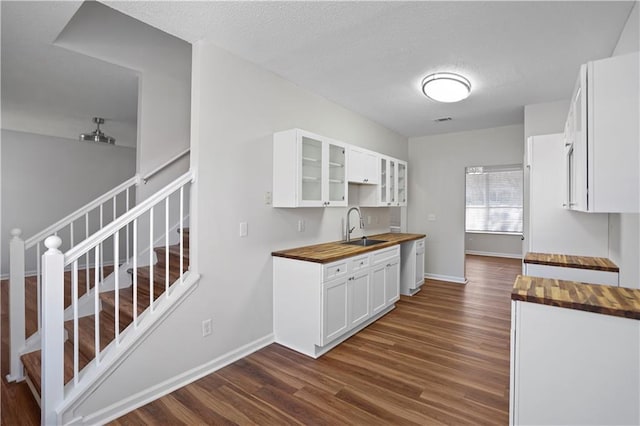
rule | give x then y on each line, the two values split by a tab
392	181
337	174
383	181
402	183
312	173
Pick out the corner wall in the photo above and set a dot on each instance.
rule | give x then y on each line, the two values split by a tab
436	187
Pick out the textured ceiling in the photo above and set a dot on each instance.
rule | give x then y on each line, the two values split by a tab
51	90
371	56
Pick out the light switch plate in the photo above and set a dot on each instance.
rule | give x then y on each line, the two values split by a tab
301	225
244	229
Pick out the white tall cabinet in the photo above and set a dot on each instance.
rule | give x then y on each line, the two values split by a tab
551	228
309	170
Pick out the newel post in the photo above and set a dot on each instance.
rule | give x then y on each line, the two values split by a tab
52	333
16	304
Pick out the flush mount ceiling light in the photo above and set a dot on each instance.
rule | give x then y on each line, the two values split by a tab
446	87
97	135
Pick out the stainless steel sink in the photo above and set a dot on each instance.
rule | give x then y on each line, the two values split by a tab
364	242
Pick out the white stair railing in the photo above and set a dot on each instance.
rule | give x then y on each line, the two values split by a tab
54	265
25	260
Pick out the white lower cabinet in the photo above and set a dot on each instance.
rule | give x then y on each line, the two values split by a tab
412	266
392	281
335	309
572	367
317	306
378	299
359	289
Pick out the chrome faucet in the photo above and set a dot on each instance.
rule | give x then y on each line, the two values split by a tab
349	229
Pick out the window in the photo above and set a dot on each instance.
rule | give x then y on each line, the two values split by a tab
494	199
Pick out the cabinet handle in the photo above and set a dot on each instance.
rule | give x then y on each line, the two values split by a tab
328	202
338	270
388	265
361	263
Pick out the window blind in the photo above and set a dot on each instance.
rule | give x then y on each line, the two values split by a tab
494	199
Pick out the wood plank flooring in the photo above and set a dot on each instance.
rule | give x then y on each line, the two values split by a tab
441	357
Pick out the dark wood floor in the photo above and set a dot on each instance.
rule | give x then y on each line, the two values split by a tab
441	357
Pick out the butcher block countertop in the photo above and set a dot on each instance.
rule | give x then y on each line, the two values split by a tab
601	299
330	252
568	261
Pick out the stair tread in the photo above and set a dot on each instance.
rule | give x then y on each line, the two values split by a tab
174	250
86	334
125	297
33	365
86	325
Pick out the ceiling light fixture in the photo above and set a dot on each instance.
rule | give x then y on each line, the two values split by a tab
446	87
97	135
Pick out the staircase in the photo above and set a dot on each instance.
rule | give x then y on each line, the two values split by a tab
107	316
89	308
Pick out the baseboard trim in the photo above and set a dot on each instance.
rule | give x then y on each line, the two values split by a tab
493	254
151	394
448	278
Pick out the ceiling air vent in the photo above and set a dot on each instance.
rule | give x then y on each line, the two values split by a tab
442	119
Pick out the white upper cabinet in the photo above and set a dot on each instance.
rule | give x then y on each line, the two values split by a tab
392	189
401	186
308	170
602	137
363	165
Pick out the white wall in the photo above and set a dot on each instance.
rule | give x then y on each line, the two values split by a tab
545	118
237	107
45	178
624	229
499	245
436	186
164	90
629	40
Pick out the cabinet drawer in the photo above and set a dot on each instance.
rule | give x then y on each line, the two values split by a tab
385	254
334	270
358	263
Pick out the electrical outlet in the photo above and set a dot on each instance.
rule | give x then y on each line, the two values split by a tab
301	225
267	198
207	328
244	229
369	220
431	217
